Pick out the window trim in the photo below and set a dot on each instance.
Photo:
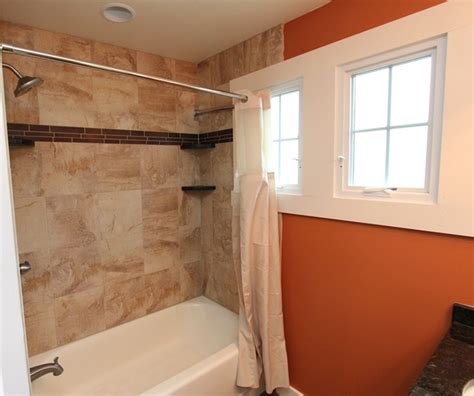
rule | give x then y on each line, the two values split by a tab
436	48
288	87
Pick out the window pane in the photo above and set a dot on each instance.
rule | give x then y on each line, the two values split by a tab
275	112
411	85
407	157
288	164
290	112
370	99
369	158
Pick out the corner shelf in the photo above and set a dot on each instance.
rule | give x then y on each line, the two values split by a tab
198	188
197	146
20	142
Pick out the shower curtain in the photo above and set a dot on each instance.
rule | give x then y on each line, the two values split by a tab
256	247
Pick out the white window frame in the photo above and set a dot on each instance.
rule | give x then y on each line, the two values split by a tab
427	195
279	90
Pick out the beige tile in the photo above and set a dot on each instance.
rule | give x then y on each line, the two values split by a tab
68	168
31	229
206	209
41	331
222	242
159	166
65	98
189	209
26	165
71	220
274	39
185	105
207	238
74	269
162	289
222	287
35	283
160	235
122	257
205	167
189	244
254	53
188	167
115	101
117	167
222	164
159	202
124	301
192	280
119	213
155	65
222	205
157	107
19	35
231	63
264	49
160	252
63	45
79	315
111	55
160	228
186	72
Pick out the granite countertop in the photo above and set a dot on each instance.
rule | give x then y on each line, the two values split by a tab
452	365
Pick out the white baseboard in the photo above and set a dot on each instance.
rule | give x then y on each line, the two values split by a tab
289	392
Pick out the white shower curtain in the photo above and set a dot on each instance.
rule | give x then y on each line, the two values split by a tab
256	246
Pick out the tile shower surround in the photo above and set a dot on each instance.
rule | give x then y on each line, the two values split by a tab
67	134
97	271
108	232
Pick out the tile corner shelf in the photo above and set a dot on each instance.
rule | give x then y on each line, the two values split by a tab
197	146
198	188
19	142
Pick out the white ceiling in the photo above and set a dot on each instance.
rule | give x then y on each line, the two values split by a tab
183	29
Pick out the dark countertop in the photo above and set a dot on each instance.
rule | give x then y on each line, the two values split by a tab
448	370
452	365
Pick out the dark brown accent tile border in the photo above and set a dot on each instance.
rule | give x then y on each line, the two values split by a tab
53	133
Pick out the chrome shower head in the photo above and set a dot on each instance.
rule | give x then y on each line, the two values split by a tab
25	83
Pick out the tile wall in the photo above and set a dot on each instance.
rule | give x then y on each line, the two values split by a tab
251	55
108	232
106	228
81	97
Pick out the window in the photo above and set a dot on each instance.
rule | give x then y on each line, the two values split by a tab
285	121
392	123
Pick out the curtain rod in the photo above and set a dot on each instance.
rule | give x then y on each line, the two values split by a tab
198	112
10	49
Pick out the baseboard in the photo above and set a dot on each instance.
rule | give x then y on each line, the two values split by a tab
289	392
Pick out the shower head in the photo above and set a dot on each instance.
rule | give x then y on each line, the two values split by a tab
25	83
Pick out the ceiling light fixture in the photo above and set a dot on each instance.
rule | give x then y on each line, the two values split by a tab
118	12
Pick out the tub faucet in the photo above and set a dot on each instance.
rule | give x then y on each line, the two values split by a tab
42	369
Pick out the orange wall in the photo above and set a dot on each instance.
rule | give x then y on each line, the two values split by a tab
343	18
365	306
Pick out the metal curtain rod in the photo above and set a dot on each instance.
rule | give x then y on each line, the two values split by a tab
198	112
43	55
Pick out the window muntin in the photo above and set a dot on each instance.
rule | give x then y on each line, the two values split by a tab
285	113
390	124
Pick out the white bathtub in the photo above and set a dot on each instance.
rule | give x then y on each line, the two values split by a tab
188	349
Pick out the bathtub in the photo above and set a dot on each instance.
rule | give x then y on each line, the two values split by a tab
187	349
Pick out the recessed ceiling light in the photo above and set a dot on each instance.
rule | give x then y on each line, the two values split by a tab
118	12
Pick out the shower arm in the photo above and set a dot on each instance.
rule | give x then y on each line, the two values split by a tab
12	69
10	49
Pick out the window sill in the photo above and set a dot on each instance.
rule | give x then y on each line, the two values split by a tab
418	198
